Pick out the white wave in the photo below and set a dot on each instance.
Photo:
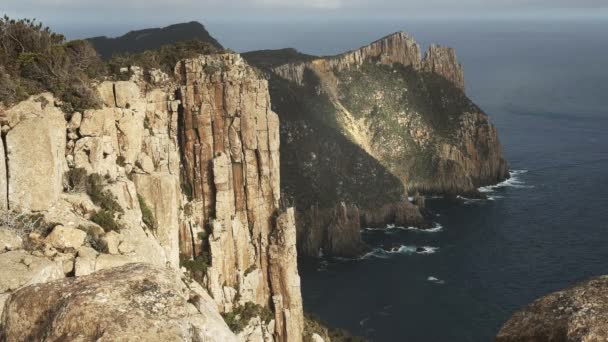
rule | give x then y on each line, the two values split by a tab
435	280
437	227
381	253
513	182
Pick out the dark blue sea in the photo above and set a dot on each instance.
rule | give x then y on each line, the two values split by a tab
544	85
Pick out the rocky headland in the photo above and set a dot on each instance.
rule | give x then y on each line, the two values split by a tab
364	130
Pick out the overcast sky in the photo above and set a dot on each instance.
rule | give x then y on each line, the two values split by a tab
80	18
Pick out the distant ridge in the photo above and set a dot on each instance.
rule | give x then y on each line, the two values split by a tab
153	38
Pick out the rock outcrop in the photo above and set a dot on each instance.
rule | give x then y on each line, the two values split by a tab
579	313
128	303
229	140
177	175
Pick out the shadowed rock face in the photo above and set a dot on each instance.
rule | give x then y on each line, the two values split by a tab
579	313
368	126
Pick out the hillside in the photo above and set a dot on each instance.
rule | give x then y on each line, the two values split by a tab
153	38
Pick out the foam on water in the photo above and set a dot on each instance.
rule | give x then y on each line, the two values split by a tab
391	228
514	182
435	280
381	253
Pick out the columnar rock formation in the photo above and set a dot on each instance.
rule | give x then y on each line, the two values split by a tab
230	149
163	174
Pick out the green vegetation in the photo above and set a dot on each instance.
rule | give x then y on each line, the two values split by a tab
106	220
313	325
101	197
238	318
146	213
164	58
94	238
197	266
33	59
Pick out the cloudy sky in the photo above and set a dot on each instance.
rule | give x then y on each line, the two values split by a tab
80	18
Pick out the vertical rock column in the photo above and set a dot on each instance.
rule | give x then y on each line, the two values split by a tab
229	140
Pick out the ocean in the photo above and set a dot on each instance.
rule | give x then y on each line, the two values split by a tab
544	84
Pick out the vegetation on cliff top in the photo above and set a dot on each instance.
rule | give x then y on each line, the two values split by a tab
34	59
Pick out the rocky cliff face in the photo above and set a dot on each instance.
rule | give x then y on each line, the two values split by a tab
175	173
230	148
579	313
369	126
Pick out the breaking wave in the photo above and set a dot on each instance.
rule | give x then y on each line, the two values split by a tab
381	253
391	228
513	182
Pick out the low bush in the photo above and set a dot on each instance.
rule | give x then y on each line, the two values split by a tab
33	59
146	213
238	318
23	224
94	238
313	325
100	196
106	220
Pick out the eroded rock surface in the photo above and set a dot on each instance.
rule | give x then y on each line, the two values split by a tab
579	313
128	303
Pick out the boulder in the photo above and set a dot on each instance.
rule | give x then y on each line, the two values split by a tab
136	302
63	237
579	313
20	269
9	241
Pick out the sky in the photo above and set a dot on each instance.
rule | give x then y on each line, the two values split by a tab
86	18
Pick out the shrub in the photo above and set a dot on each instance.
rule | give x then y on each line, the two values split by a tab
34	59
101	197
197	266
77	180
164	58
313	325
94	238
238	318
146	213
22	224
106	220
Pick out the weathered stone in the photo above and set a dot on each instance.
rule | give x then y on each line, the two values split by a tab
40	137
21	269
285	280
316	338
442	61
85	261
161	192
75	122
111	240
133	302
126	93
98	122
63	237
9	241
579	313
106	93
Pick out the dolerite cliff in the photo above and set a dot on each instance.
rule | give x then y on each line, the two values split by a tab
101	208
579	313
363	129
